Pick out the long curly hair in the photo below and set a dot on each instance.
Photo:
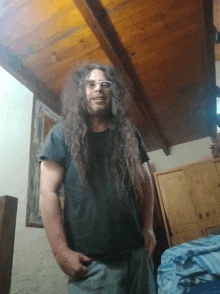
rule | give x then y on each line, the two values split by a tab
124	159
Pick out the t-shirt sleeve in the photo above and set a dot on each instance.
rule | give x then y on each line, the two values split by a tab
54	146
142	149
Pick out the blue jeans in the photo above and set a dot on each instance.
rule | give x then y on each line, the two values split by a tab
129	273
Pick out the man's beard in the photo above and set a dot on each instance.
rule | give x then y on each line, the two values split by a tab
105	112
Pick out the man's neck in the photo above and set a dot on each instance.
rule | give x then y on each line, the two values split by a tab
99	124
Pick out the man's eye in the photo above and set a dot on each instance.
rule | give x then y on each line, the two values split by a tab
91	84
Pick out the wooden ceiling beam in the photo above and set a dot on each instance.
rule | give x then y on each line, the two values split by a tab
98	20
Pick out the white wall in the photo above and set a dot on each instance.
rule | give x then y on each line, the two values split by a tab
217	70
34	267
181	154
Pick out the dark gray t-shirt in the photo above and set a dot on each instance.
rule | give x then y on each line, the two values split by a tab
97	223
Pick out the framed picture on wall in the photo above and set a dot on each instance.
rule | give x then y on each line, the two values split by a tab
42	122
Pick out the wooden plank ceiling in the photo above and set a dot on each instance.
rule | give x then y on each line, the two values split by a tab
163	46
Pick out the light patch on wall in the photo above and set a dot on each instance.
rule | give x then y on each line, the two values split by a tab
10	87
218	111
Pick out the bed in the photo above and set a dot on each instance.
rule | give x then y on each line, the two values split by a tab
192	267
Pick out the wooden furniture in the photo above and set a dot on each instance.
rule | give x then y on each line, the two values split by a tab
189	197
8	212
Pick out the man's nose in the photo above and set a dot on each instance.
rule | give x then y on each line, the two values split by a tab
97	87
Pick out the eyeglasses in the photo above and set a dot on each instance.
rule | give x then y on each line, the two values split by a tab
91	84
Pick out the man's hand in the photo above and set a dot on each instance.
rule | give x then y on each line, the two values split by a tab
149	241
72	263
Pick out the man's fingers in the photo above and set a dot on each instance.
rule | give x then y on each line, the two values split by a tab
150	251
85	259
81	271
84	268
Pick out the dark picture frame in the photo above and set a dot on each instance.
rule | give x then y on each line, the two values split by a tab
43	119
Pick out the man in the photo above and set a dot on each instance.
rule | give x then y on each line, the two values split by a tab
100	158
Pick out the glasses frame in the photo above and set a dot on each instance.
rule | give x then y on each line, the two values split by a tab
96	83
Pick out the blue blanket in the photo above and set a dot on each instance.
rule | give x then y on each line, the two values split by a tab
188	265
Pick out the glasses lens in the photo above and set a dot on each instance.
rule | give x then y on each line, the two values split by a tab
90	83
106	84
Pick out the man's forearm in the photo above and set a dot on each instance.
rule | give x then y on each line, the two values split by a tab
50	209
146	202
147	205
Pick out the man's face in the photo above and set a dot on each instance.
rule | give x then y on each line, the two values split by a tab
98	98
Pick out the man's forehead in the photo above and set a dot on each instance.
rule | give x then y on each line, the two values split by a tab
96	74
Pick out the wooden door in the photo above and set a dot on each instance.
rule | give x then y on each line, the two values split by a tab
178	208
190	200
217	165
203	179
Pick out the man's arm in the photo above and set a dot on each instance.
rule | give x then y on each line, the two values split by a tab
72	263
146	208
